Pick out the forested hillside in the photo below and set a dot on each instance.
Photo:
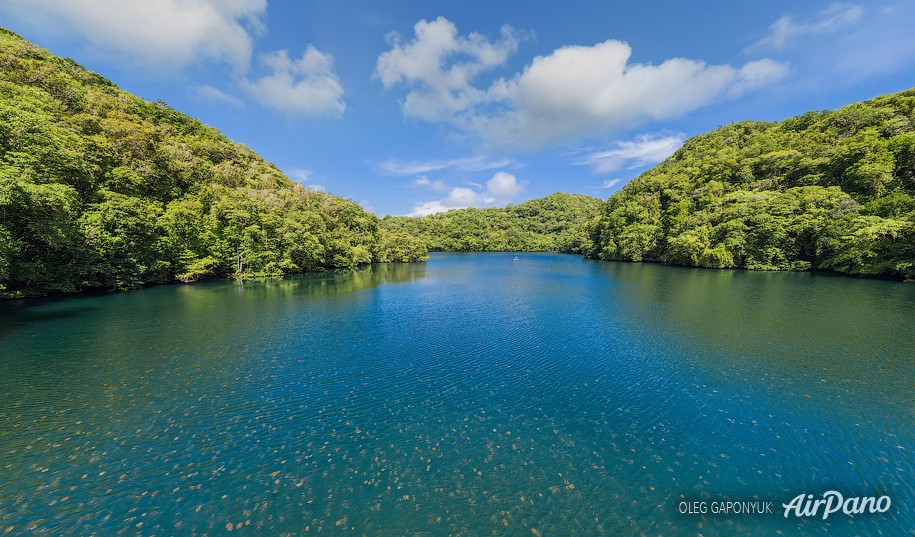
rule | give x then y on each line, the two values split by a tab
826	190
99	188
554	223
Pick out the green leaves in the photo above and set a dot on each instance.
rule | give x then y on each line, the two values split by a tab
828	190
99	188
400	247
124	241
554	223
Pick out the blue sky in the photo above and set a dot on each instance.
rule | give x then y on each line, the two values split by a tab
412	107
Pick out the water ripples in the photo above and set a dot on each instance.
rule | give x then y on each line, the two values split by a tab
488	397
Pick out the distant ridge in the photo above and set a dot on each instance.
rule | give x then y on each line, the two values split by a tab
552	223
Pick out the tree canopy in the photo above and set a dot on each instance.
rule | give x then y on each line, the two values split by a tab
99	188
829	190
553	223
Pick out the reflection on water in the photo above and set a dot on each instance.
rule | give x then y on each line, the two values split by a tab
334	281
471	395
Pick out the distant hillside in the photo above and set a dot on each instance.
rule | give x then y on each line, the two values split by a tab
554	223
99	188
828	190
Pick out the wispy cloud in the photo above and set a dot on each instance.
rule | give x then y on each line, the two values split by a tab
609	183
644	150
844	43
436	186
786	30
214	95
417	167
299	174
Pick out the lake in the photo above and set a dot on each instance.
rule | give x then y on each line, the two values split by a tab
470	395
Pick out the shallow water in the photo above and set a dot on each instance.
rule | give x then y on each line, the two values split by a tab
471	395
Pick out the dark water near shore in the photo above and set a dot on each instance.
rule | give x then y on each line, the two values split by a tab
472	395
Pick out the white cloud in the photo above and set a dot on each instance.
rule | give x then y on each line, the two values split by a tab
436	186
644	150
439	66
609	183
503	186
785	31
573	92
500	189
416	167
298	87
580	91
427	208
164	35
161	37
209	93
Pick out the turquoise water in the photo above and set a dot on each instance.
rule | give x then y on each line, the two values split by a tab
470	395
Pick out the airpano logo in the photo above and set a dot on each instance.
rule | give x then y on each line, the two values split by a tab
832	502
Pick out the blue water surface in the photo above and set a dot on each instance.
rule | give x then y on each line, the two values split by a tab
470	395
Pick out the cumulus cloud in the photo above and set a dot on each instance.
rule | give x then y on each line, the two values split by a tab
786	30
644	150
500	189
439	66
162	37
573	92
578	91
300	87
466	164
157	34
503	186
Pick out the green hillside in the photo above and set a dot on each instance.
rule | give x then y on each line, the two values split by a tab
102	189
828	190
99	188
553	223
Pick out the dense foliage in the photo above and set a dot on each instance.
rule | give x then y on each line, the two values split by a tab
826	190
554	223
99	188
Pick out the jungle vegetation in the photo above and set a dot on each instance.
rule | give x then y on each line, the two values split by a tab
554	223
830	190
99	188
102	189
